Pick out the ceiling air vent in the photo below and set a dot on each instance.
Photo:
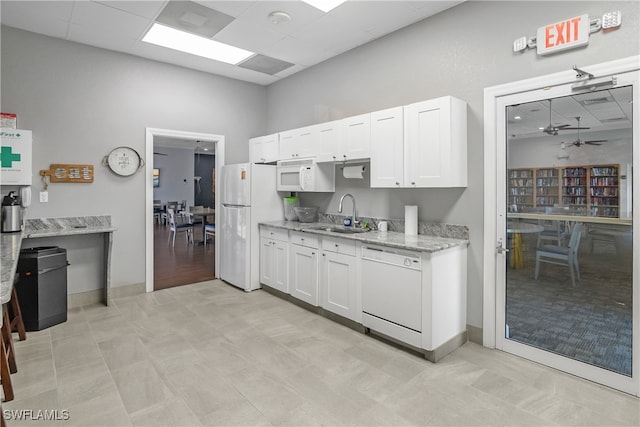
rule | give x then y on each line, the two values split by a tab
265	64
193	18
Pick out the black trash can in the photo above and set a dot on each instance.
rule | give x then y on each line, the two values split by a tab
42	286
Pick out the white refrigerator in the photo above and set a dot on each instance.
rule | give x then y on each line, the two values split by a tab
249	197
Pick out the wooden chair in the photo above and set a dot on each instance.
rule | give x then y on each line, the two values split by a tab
561	255
7	356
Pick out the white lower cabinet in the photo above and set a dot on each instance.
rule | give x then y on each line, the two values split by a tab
303	267
274	259
339	286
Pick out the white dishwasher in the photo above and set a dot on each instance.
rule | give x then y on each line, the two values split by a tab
392	293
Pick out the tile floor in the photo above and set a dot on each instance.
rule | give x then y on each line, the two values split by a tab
208	354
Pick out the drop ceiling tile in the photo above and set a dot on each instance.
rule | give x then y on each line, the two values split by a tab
105	21
102	39
301	15
43	17
374	16
146	9
332	33
298	52
249	35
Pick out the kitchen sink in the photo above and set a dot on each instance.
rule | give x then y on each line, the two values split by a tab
338	229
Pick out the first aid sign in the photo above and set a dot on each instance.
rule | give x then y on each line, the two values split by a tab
567	34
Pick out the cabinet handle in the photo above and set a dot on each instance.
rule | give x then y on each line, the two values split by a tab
397	183
413	183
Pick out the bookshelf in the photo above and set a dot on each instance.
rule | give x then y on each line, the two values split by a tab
604	192
574	187
591	189
520	189
547	189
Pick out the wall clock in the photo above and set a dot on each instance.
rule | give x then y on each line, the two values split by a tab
123	161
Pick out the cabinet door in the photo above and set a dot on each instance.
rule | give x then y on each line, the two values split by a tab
267	263
264	149
329	141
306	140
436	143
387	148
356	137
287	145
338	284
303	274
280	262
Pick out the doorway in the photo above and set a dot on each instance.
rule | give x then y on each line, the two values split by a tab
152	133
561	278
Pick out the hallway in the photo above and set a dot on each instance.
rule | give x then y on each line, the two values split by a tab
182	264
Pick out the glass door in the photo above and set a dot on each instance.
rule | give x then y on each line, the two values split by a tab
568	291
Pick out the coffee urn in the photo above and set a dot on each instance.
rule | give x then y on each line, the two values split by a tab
11	213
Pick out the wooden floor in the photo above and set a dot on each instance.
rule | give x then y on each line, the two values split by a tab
182	264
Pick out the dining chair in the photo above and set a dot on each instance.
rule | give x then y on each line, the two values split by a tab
209	230
157	211
562	255
175	228
552	231
170	205
194	219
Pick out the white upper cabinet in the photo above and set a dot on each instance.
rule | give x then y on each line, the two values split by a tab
329	141
387	148
355	138
436	143
264	149
299	143
420	145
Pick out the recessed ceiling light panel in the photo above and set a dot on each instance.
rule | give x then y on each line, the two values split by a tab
162	35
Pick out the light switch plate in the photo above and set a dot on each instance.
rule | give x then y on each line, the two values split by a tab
44	196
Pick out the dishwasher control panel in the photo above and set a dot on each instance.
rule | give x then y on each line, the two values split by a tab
392	256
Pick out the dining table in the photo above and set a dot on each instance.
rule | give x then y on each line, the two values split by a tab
204	213
515	229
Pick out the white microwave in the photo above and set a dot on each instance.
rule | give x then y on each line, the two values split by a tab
305	175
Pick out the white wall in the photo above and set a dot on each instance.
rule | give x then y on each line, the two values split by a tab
458	52
81	101
176	174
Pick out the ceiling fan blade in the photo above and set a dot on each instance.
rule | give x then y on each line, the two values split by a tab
595	141
160	154
572	128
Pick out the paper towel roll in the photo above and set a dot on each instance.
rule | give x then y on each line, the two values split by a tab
411	220
353	172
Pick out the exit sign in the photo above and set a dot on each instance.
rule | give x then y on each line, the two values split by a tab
567	34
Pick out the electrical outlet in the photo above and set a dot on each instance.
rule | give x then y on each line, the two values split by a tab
44	196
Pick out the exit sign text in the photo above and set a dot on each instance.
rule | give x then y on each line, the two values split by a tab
567	34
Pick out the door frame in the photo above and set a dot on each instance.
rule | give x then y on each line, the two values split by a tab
219	141
494	123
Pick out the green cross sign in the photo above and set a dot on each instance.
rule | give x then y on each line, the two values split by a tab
7	157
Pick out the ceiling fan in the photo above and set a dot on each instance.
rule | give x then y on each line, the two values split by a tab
579	142
552	129
160	154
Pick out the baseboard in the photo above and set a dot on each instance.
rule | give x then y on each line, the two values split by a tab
446	348
475	334
97	296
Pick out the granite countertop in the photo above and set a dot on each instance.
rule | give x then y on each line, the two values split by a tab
10	243
421	242
50	227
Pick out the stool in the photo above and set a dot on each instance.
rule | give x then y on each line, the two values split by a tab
7	356
16	314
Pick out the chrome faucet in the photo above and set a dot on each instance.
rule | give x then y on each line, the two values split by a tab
354	217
